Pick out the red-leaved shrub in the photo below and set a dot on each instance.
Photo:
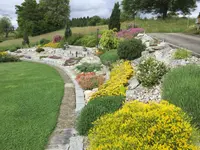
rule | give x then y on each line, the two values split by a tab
57	38
90	80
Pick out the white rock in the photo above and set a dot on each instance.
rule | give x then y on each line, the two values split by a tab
133	83
90	59
89	93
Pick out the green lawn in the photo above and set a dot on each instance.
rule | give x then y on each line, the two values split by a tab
30	97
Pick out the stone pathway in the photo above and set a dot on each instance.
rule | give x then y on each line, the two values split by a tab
64	136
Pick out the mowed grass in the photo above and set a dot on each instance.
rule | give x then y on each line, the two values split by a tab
30	97
150	26
182	87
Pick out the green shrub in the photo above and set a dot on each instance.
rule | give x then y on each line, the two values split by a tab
5	57
182	54
109	40
74	38
39	50
109	57
95	109
130	49
44	41
89	40
86	67
150	72
140	126
62	43
181	87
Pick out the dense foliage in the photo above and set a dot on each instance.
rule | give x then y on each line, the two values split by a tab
5	26
114	22
88	21
119	76
150	72
95	109
42	17
109	40
182	54
131	7
5	57
87	67
181	87
152	126
44	41
39	50
89	80
109	57
130	49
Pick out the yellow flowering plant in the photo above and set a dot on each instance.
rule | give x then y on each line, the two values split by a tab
140	126
3	53
52	45
115	86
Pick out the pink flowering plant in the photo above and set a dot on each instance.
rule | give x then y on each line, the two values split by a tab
130	33
57	38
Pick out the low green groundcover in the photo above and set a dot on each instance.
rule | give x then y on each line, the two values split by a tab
182	87
30	97
95	109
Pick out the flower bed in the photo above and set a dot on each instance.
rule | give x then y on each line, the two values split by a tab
90	80
150	126
118	79
130	33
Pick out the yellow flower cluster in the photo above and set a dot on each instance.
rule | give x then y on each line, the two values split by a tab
140	126
52	45
3	53
118	79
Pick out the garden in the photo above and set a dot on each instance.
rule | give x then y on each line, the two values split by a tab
139	92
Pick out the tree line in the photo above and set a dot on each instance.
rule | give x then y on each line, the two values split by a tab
88	21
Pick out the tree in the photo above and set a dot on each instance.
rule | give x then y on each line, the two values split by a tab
29	17
68	31
161	7
115	18
25	39
5	26
56	12
130	8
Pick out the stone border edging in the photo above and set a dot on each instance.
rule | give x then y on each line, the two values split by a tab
80	102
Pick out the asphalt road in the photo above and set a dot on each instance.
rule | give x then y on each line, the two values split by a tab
186	41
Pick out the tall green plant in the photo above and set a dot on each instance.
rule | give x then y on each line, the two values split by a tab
109	40
114	22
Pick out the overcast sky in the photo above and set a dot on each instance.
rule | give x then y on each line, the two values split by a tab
79	8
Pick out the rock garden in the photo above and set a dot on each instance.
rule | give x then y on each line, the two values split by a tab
137	92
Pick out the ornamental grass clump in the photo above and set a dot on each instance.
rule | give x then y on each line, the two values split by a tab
140	126
182	54
181	86
150	72
95	109
119	77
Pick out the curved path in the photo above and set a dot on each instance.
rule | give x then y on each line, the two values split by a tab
64	136
182	40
